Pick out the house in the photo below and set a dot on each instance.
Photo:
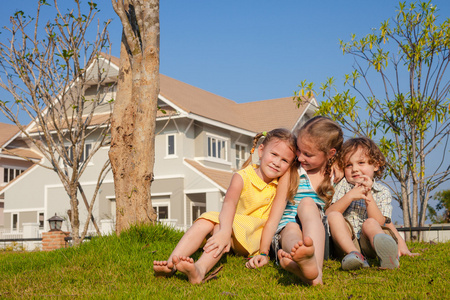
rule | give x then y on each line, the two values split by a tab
16	156
202	138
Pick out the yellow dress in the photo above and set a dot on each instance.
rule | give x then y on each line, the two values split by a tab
252	210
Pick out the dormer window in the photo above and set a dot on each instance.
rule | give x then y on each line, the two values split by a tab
217	148
11	173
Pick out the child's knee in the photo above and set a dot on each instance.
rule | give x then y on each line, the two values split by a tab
370	223
334	217
291	227
306	204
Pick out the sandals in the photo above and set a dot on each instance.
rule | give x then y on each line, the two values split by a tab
354	261
387	251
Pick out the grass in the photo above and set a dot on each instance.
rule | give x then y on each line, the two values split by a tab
121	267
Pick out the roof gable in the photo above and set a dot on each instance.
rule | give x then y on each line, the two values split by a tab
7	132
252	116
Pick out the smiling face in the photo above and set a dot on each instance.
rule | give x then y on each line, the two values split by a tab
275	159
310	156
357	164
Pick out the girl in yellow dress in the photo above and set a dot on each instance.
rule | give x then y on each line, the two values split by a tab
245	210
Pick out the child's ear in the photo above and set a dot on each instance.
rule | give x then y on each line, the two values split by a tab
376	167
260	150
331	153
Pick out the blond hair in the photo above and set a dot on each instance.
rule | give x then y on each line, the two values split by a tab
326	135
290	139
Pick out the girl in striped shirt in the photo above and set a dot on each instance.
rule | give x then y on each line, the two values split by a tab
300	226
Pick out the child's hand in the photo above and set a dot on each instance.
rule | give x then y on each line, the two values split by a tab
220	241
257	261
358	192
366	181
403	250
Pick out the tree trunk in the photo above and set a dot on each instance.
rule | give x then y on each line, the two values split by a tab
132	151
405	208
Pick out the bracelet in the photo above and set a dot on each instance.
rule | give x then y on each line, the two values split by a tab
262	254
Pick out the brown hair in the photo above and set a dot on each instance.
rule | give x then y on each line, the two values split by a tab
284	135
370	149
326	135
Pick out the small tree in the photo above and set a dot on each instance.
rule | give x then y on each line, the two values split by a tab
443	198
405	86
132	151
44	72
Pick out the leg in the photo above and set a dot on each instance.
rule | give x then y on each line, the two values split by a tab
300	259
197	271
340	233
311	220
385	246
370	229
189	243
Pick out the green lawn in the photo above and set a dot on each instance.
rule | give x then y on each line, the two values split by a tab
112	267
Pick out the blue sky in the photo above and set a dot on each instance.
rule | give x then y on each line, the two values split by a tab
247	50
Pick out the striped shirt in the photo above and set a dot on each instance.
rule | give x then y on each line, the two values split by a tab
304	190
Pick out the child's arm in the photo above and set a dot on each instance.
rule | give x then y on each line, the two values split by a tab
356	193
278	206
222	238
402	247
374	209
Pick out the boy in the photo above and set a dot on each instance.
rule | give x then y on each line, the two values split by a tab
361	208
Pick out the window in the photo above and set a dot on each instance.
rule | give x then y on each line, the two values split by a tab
197	210
170	144
41	220
87	150
240	155
162	211
112	207
84	155
217	148
15	221
9	174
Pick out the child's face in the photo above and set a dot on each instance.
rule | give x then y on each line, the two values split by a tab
275	159
310	156
356	165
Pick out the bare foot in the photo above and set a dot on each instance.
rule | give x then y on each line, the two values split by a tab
187	266
303	254
164	268
287	263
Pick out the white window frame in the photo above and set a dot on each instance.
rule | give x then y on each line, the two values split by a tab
199	204
174	154
12	222
212	140
241	159
112	206
7	170
162	203
38	221
87	148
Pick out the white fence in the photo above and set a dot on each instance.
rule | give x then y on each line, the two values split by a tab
438	233
30	237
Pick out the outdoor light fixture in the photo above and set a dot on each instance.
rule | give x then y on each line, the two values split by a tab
55	223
